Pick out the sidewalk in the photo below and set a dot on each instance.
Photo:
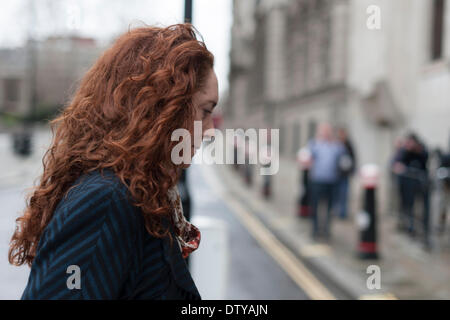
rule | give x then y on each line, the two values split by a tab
407	271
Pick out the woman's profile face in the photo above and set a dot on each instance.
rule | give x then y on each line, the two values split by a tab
204	102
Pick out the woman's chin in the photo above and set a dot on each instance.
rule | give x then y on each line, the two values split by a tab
185	165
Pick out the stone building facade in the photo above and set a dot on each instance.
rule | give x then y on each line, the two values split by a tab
295	63
47	70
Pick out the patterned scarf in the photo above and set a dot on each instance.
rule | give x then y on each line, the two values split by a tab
187	234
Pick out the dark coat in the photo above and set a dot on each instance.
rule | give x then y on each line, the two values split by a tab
97	229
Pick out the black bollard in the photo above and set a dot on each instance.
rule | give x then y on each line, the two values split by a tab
248	174
22	143
304	208
267	187
367	247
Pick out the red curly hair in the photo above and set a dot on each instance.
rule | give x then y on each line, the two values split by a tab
121	117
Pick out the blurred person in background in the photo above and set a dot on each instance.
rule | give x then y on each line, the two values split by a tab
323	175
443	188
107	203
304	162
396	194
347	165
185	195
410	164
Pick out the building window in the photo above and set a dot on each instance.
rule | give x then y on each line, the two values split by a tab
258	75
11	87
296	48
308	45
437	29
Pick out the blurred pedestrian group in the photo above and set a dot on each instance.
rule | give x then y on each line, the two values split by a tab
328	162
420	187
415	184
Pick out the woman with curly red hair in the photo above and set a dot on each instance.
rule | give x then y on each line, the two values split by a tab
105	221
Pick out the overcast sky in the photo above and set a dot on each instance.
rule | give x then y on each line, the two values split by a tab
104	19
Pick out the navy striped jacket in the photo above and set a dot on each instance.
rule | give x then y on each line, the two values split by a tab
96	228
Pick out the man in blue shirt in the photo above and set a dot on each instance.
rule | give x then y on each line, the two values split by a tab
324	174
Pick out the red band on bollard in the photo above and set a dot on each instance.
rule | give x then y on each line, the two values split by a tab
304	211
370	247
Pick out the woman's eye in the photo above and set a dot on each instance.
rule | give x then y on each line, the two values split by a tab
206	112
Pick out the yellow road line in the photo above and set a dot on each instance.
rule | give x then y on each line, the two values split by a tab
283	256
315	250
382	296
